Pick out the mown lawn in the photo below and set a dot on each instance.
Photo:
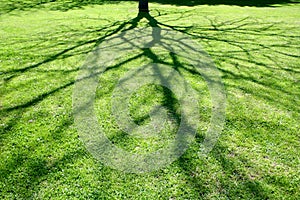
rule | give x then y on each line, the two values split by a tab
256	50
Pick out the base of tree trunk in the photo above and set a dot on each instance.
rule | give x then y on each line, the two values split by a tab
144	10
143	6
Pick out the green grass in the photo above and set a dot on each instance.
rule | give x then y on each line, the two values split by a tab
256	157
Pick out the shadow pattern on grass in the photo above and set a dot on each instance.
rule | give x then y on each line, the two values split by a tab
215	33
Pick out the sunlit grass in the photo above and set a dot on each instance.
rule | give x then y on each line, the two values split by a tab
256	157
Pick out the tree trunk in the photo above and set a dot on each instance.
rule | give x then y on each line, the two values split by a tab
143	6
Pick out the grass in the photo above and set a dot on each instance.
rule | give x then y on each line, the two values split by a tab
256	50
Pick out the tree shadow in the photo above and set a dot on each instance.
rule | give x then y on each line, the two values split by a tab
244	26
253	187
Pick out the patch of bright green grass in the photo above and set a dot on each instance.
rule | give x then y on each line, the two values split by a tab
256	157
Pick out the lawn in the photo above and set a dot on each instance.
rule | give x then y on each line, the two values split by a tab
255	48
